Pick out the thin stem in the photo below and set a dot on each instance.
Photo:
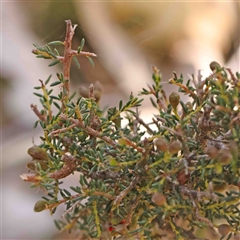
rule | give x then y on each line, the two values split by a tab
84	54
68	54
123	194
39	115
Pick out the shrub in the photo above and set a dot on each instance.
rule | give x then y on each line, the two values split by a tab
177	176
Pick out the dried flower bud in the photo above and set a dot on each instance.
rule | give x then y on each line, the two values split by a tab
225	157
220	187
40	206
211	151
214	66
84	92
233	147
159	199
33	165
98	86
224	229
97	95
161	144
175	146
174	99
97	91
38	153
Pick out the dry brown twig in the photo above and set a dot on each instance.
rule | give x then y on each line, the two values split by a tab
39	115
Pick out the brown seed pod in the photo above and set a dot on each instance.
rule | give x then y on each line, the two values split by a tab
175	146
38	153
161	144
97	95
98	86
224	157
220	187
211	151
174	99
40	206
214	66
224	229
233	147
33	165
159	199
84	92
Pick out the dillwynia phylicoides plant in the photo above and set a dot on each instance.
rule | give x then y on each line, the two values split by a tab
176	177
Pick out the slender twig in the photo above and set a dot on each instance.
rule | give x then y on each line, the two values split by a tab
69	167
172	81
123	193
131	212
232	75
39	115
68	54
150	131
84	54
133	145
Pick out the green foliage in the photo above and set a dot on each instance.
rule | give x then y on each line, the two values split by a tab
175	175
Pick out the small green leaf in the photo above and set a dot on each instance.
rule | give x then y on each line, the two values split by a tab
120	105
49	92
55	84
76	62
67	192
153	102
38	94
57	106
76	189
54	97
91	61
70	105
56	43
52	54
72	96
54	63
48	79
43	56
60	77
37	88
35	45
48	48
35	124
56	51
63	195
57	224
81	45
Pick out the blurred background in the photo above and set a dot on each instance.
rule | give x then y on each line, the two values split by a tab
128	37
